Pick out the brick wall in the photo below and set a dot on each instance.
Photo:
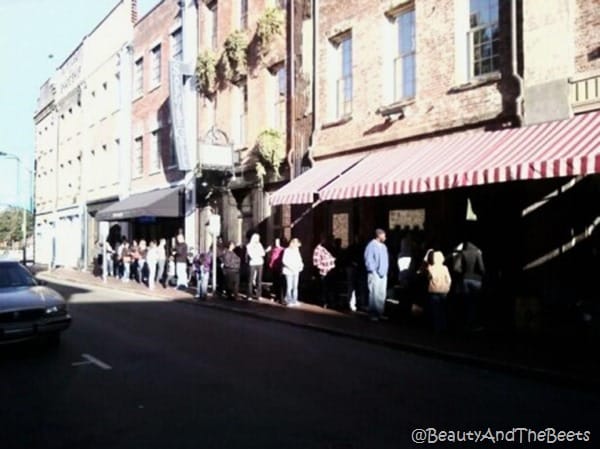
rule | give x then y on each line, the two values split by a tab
260	80
587	36
441	102
151	110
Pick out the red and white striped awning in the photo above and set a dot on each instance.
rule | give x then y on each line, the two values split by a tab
554	149
303	189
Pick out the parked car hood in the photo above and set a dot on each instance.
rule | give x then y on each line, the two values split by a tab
17	298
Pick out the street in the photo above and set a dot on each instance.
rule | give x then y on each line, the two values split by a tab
133	372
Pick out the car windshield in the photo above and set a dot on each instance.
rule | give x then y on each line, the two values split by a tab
15	275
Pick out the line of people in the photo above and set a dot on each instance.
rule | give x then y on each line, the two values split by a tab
363	269
145	263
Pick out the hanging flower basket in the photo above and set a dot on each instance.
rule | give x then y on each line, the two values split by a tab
270	146
206	72
235	56
270	25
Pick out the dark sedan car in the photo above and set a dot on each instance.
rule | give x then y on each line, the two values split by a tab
28	309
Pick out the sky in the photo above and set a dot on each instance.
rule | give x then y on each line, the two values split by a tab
35	37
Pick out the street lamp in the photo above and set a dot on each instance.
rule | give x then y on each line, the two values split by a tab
24	224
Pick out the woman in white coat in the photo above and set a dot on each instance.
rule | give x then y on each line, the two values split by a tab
292	267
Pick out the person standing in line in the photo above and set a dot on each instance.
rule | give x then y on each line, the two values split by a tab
142	251
437	289
377	265
171	273
201	265
292	267
353	260
119	258
181	254
152	261
231	271
110	261
161	261
275	265
473	271
324	261
256	259
126	260
134	254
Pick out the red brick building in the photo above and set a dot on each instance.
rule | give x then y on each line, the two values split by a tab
157	38
414	98
256	100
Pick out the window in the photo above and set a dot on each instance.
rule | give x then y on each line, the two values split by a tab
213	25
344	80
155	152
243	14
172	151
117	91
155	66
280	98
138	77
138	156
243	87
404	62
177	44
483	37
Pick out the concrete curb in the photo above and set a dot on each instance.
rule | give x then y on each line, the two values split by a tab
545	375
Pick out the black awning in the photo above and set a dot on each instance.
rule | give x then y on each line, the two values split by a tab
156	203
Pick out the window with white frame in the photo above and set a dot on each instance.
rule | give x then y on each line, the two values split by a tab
177	44
404	60
138	156
172	157
483	37
212	25
155	66
343	79
155	151
243	14
138	77
280	113
117	95
115	162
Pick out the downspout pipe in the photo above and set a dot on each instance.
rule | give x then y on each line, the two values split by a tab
515	68
291	94
314	95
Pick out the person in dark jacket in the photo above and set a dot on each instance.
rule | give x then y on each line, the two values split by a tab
201	264
472	270
231	271
181	260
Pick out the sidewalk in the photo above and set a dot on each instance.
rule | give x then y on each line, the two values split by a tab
560	361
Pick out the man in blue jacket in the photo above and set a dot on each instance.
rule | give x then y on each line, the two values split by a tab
377	264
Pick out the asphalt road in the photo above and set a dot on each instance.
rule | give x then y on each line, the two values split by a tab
139	373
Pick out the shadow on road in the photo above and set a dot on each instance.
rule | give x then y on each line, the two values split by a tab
67	291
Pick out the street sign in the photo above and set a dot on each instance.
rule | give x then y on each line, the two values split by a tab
214	225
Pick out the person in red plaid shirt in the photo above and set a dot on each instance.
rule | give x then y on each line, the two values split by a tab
324	261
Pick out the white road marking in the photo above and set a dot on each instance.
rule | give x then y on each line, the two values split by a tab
81	363
91	360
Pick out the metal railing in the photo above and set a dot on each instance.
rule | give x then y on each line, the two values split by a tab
585	92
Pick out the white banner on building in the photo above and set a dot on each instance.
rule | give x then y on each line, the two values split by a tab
177	115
